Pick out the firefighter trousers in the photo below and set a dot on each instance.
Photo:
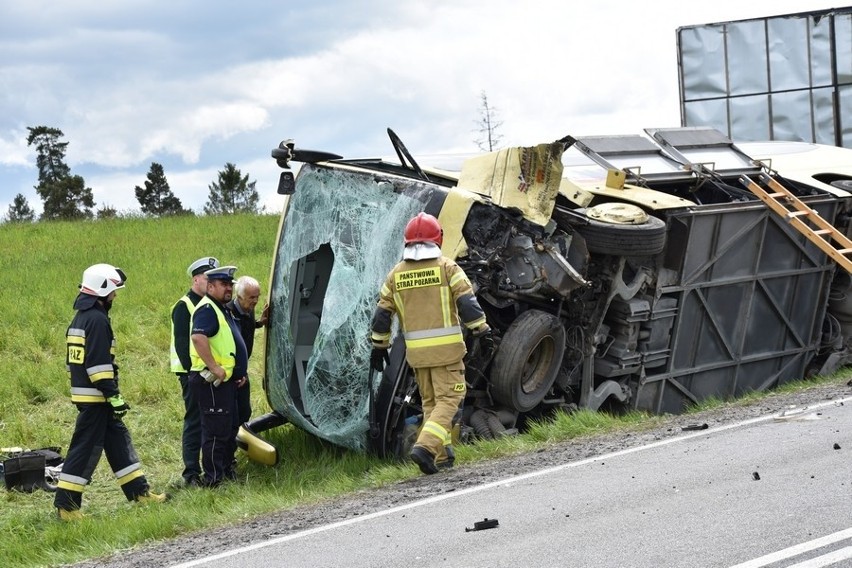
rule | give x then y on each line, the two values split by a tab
442	391
98	431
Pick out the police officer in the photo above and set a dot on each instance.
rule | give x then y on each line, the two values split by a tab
431	295
100	406
180	363
219	360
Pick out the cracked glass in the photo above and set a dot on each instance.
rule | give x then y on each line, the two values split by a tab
341	235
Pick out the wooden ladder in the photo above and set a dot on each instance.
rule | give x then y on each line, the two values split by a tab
804	219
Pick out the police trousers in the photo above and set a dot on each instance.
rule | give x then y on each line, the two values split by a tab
244	402
191	435
219	426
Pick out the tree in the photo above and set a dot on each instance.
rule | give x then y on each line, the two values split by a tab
20	210
65	196
487	125
107	211
233	193
156	198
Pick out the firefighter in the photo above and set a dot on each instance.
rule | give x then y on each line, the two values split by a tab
432	297
219	361
100	407
181	317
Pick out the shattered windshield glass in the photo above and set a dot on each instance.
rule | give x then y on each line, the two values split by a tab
341	235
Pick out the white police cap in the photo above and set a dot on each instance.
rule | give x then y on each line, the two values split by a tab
225	273
202	265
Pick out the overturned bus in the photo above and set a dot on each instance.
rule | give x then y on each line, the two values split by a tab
642	272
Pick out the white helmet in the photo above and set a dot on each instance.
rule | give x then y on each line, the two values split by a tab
101	279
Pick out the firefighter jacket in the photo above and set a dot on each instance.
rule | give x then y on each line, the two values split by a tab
182	312
432	298
223	345
90	355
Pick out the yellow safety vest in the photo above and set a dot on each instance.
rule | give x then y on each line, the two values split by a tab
176	365
222	345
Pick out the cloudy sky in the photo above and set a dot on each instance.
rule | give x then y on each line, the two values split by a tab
194	84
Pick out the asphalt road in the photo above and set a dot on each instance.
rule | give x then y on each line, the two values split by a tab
771	491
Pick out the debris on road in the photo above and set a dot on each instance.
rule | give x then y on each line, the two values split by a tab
483	524
797	414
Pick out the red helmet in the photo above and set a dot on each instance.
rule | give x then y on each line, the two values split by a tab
424	228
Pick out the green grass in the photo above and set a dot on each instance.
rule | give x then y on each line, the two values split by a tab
43	263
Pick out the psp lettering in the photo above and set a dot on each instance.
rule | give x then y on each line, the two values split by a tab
418	278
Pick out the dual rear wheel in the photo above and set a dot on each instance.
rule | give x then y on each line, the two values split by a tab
528	360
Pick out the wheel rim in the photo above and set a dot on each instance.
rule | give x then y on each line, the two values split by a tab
537	365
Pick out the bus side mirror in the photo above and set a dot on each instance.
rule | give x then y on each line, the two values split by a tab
286	183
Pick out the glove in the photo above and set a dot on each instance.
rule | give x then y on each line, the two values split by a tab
208	376
378	359
119	407
486	344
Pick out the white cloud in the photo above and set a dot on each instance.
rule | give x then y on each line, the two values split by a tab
194	85
14	150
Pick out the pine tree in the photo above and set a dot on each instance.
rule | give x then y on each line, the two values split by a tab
20	210
156	198
65	196
233	193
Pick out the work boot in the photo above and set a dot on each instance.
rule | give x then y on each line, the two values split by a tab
193	481
208	483
424	460
150	497
450	461
184	483
69	516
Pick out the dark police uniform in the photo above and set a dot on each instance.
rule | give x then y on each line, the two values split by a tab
217	404
180	364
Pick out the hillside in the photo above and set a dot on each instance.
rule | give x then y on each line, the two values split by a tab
47	261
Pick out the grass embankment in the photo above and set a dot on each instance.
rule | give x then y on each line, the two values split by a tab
42	264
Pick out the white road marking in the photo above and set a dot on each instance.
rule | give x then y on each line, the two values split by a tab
800	549
826	559
486	486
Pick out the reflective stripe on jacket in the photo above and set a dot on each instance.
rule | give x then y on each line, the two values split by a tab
428	296
223	347
90	352
176	365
